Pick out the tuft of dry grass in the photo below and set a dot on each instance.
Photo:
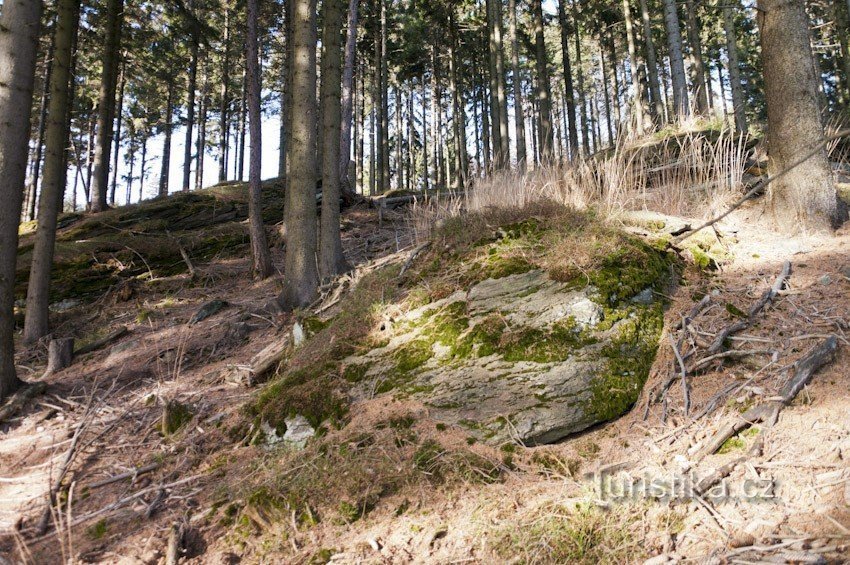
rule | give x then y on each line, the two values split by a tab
691	173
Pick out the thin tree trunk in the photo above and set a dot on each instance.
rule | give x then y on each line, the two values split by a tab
143	172
805	198
301	274
32	196
192	86
681	104
378	103
569	93
697	64
544	95
116	150
242	129
734	68
331	259
19	32
637	94
224	110
348	95
261	258
459	121
585	137
604	85
519	119
106	104
385	102
504	133
657	106
36	325
166	149
201	147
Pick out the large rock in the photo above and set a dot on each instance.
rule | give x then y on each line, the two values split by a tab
522	357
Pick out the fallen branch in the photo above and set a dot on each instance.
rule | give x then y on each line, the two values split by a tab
768	297
804	370
264	361
104	341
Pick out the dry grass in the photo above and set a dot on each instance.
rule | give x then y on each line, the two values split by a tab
690	173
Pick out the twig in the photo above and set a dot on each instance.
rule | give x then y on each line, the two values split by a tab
413	256
128	475
684	371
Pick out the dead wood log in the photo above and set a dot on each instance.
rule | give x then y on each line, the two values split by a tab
804	370
20	398
724	471
60	353
103	342
175	543
263	362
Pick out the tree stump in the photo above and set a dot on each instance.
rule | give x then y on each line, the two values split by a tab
60	353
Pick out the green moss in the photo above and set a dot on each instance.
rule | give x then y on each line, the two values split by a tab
731	445
632	268
735	311
629	358
175	415
98	530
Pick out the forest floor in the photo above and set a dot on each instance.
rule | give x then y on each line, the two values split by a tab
788	502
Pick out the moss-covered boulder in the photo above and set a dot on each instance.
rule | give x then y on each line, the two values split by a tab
525	356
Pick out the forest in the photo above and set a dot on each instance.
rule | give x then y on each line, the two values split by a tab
424	281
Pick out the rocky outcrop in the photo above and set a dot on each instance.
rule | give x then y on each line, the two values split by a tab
524	357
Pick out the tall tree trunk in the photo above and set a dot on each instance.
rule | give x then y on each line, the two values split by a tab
192	86
116	150
385	102
331	259
499	160
35	173
459	112
519	119
697	64
201	147
224	110
504	133
165	170
681	104
378	103
544	95
36	325
242	129
486	130
569	93
348	95
19	31
637	88
261	258
805	197
734	68
144	163
603	69
301	275
106	103
585	137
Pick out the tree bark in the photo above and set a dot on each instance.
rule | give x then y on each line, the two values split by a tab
569	93
499	160
19	31
804	199
734	68
192	86
116	146
165	170
681	103
331	259
35	173
637	87
697	64
458	105
106	103
348	95
519	118
36	324
60	353
385	102
224	109
261	258
544	95
301	275
585	138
